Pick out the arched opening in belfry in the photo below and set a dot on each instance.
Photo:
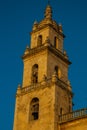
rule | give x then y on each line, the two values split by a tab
57	71
34	109
39	40
61	111
35	73
56	42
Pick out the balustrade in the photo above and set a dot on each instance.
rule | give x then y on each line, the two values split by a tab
73	115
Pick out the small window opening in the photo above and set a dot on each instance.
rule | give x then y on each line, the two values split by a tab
39	41
56	42
70	104
56	70
34	109
61	111
35	74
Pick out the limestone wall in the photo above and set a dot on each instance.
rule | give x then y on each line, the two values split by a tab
78	124
46	110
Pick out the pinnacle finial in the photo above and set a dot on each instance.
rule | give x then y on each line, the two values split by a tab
48	12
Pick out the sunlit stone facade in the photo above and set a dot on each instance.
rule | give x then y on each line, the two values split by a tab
44	101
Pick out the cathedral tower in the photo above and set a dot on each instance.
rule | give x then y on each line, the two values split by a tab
46	92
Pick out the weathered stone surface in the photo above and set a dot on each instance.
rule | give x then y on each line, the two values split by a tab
78	124
50	85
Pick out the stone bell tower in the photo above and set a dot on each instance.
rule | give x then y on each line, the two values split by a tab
46	91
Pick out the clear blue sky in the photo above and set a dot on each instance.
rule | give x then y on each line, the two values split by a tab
16	20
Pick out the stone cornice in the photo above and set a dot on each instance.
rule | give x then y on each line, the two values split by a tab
43	84
64	86
48	25
33	87
50	48
59	54
33	51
